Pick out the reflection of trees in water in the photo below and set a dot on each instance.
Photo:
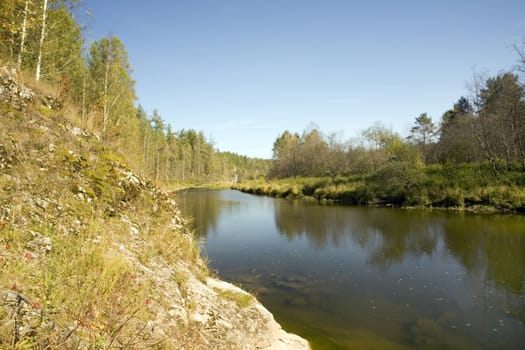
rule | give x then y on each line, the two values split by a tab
399	234
495	244
201	208
387	235
322	225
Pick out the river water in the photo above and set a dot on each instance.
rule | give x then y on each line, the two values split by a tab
370	278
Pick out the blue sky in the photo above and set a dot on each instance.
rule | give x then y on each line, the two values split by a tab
243	71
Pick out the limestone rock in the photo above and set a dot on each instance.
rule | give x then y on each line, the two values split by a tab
12	92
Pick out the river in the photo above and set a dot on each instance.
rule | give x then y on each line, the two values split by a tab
370	278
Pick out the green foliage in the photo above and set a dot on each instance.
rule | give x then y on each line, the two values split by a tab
62	58
422	134
501	117
480	155
461	186
479	159
398	183
423	131
80	283
314	154
63	62
111	92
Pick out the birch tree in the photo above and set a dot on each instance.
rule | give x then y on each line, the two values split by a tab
112	90
23	38
41	45
16	24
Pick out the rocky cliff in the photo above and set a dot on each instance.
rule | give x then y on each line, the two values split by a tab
94	256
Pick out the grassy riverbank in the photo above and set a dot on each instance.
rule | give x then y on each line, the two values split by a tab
180	186
93	255
465	186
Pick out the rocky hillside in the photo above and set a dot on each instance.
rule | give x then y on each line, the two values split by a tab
93	256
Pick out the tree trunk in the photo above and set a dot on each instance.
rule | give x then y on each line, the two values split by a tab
183	167
157	167
146	150
519	146
42	35
22	40
167	170
105	112
193	162
82	122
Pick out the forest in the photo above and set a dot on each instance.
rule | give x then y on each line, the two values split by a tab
489	130
94	84
474	155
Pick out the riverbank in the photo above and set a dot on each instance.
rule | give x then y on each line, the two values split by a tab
369	278
470	187
93	255
182	186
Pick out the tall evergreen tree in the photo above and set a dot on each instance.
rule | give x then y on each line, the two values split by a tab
424	130
423	134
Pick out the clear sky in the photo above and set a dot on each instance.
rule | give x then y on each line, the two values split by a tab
243	71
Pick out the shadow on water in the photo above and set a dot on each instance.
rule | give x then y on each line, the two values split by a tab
372	278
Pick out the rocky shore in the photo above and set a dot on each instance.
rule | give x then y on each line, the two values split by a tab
94	256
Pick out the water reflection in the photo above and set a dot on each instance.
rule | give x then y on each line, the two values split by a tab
495	247
372	277
496	244
386	235
203	211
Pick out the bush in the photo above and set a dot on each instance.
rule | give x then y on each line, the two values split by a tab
398	181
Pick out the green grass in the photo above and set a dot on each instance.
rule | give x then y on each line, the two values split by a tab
458	186
242	299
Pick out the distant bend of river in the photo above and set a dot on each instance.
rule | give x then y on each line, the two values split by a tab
370	278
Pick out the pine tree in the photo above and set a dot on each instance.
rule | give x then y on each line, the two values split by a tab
423	133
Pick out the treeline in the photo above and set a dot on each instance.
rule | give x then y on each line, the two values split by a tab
474	157
42	39
488	128
187	156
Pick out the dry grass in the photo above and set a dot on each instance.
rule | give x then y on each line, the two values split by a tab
78	234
